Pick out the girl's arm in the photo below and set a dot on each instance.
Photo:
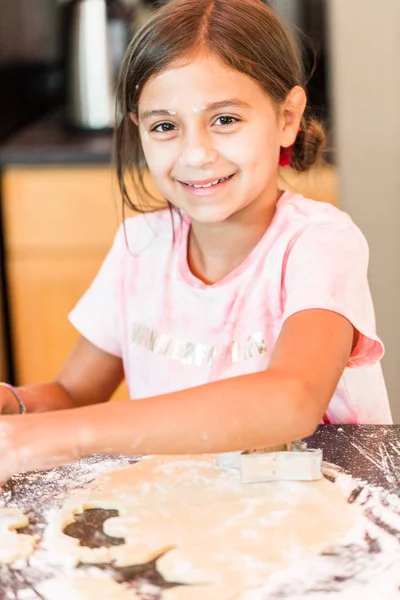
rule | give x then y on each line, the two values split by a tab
89	376
283	403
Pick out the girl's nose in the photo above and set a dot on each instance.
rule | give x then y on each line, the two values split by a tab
198	153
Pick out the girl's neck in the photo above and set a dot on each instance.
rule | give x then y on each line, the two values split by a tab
215	250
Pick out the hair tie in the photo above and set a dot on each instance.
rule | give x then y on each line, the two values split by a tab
286	156
287	153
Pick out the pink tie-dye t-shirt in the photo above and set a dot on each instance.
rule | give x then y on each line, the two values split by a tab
172	331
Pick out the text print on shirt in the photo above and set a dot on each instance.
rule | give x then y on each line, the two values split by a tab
191	353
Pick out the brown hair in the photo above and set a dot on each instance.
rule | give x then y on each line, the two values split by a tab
245	34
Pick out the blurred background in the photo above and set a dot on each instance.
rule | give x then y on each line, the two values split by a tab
59	205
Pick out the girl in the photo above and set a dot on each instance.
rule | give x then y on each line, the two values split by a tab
241	317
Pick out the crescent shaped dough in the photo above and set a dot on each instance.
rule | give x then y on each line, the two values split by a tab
14	545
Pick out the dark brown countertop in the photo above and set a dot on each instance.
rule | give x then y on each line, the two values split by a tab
368	455
49	141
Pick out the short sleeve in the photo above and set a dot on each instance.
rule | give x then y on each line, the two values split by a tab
327	268
96	315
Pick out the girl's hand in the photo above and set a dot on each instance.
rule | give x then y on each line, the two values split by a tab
35	442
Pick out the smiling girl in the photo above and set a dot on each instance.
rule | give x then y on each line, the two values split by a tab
241	316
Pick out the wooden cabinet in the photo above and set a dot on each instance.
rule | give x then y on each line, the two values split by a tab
59	224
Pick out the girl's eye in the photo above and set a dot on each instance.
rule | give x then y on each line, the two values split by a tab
163	127
225	120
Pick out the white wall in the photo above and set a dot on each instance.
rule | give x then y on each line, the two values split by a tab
365	44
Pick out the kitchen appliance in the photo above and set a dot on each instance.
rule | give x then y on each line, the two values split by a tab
90	97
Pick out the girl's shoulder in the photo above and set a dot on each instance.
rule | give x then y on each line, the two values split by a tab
314	223
302	212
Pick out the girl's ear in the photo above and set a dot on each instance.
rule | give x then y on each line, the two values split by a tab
134	119
292	111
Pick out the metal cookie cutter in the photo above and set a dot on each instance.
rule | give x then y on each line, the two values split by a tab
288	462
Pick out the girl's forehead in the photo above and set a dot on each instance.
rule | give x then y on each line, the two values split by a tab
201	81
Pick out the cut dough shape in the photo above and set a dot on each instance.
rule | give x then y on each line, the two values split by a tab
14	545
82	586
220	536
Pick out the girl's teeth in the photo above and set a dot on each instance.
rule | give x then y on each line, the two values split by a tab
206	185
195	185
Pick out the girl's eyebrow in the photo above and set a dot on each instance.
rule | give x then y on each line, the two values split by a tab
231	103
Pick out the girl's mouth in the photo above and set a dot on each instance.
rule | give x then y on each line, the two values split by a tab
206	188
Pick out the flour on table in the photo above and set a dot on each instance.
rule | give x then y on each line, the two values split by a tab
14	545
206	529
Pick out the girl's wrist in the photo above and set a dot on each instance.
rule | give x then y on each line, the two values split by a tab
76	429
92	429
63	436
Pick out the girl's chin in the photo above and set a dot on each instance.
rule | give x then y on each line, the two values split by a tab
210	215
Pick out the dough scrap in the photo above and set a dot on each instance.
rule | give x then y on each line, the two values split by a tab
14	545
217	535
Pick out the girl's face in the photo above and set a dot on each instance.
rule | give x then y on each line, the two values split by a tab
211	138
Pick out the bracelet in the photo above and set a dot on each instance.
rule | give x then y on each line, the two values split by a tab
22	407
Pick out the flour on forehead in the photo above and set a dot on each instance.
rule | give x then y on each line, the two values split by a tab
199	108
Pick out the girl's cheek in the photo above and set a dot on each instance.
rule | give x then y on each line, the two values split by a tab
232	153
150	152
238	147
160	172
158	162
161	158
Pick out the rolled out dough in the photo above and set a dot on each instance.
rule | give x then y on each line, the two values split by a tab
210	531
14	545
